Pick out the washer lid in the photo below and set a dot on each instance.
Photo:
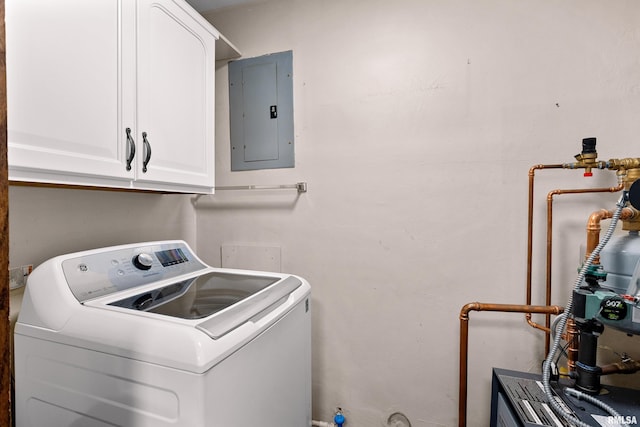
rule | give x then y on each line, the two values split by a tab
234	316
226	299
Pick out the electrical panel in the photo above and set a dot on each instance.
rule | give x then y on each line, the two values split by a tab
261	112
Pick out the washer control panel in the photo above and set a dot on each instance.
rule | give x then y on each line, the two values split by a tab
98	273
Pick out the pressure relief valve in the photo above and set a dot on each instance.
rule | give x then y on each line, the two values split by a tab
588	157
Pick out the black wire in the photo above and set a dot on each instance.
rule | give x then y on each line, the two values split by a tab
563	352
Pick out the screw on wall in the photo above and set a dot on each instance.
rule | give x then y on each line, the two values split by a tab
398	419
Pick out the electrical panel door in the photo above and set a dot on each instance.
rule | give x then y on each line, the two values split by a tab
261	112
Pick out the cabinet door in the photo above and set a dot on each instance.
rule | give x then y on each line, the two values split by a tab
67	108
176	54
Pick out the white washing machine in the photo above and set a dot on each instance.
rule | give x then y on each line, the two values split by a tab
147	335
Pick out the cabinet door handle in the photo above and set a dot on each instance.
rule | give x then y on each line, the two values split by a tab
131	146
147	149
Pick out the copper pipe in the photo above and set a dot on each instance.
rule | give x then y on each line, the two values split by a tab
532	173
547	323
622	367
593	228
593	232
464	341
573	343
546	328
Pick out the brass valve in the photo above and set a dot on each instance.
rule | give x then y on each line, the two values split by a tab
627	171
587	159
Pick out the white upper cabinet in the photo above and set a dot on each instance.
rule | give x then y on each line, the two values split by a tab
87	79
65	91
176	79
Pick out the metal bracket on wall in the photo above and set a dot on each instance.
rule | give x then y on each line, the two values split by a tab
300	186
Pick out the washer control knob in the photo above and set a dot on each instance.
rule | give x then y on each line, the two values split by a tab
143	261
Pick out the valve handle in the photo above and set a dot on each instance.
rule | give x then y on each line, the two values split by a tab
588	145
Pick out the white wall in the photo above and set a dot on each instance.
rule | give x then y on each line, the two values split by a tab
46	222
416	123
